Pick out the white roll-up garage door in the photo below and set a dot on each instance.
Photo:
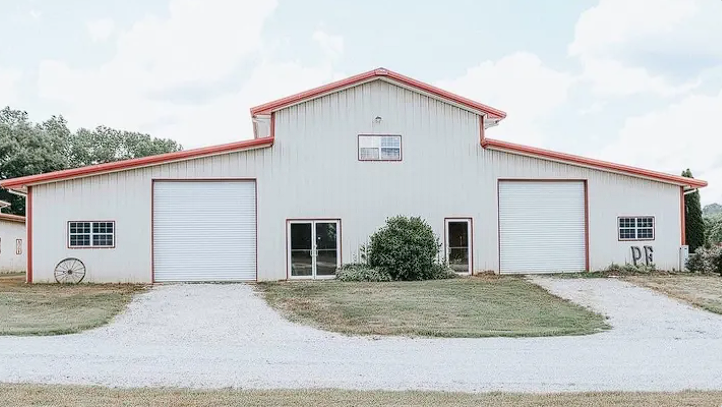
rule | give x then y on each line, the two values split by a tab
204	231
542	226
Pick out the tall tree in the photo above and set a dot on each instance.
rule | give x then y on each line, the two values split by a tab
28	148
694	228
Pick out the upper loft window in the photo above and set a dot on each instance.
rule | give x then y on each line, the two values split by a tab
91	234
379	147
636	228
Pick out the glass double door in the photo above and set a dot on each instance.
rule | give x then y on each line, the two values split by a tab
314	248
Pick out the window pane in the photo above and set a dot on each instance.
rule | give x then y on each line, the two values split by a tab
366	141
459	259
369	154
645	222
326	262
627	234
390	154
326	235
301	236
391	141
301	262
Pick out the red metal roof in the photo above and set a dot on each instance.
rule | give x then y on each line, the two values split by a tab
605	165
137	162
269	107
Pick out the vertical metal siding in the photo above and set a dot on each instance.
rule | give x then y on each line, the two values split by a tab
312	171
9	233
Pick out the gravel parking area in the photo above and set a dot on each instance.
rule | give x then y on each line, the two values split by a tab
212	336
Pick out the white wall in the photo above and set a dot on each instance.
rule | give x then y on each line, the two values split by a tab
9	233
312	171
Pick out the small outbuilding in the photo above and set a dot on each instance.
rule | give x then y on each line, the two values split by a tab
12	241
324	170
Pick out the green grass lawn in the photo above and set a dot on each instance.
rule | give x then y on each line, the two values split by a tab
466	308
54	309
703	291
16	395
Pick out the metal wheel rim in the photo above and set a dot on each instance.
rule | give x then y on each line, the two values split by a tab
70	271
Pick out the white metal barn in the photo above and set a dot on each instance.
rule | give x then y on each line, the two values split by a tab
324	170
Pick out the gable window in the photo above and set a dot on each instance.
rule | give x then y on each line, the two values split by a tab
91	234
636	228
379	147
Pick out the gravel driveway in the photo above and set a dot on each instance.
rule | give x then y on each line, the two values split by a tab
225	335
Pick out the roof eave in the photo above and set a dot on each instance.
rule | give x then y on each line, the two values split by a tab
268	108
571	159
21	184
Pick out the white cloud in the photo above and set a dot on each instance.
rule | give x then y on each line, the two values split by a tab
612	35
611	77
519	84
100	30
199	46
8	85
594	108
331	44
615	23
687	134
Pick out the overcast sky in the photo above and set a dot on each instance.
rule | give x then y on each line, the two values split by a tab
637	82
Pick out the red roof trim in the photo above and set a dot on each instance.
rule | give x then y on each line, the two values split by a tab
12	218
269	107
137	162
506	146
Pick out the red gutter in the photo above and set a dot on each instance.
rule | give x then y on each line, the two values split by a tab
268	108
12	218
683	215
29	233
137	162
506	146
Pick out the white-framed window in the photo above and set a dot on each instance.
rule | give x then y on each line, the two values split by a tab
379	147
18	246
91	234
636	227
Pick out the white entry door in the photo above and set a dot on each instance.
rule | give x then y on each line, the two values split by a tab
204	231
314	248
458	240
542	226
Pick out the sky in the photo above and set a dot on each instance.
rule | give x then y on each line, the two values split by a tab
637	82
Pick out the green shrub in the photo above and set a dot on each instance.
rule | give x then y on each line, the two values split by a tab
361	272
706	260
628	268
442	271
405	248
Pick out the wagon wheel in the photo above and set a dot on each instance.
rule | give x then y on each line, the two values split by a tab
70	270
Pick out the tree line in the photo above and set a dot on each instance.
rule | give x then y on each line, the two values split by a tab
703	226
28	148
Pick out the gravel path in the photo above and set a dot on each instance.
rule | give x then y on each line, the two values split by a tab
224	335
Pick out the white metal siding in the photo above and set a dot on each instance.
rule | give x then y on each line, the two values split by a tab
312	171
541	227
204	231
10	261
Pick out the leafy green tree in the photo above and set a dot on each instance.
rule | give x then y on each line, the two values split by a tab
28	148
694	228
712	209
713	228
